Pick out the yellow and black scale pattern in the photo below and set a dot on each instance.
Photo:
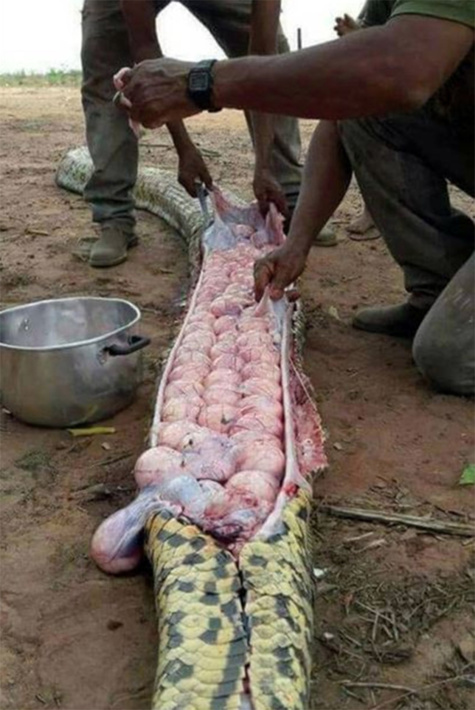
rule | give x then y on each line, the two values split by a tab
221	624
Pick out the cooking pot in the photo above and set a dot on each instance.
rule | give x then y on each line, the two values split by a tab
69	361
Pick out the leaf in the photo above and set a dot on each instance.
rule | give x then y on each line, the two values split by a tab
468	476
93	431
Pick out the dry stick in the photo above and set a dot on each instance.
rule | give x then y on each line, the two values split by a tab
382	686
418	691
409	520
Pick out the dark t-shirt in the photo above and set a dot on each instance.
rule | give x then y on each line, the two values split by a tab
454	101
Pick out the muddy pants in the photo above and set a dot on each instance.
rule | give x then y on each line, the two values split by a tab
112	144
402	164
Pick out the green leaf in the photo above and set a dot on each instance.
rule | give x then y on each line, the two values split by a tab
468	476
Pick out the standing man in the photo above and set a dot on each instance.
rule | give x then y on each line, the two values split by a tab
117	33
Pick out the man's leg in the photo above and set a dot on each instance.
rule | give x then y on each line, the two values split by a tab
229	22
444	346
111	142
401	164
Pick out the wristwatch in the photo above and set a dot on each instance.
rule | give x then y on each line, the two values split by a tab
200	85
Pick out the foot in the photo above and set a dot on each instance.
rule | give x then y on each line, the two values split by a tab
402	321
360	227
112	246
326	238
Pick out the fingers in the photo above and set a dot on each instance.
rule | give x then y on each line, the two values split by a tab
192	172
121	101
292	295
279	283
263	206
122	78
189	183
280	202
263	272
206	177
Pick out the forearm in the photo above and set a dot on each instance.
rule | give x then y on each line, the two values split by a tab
263	41
326	177
263	133
365	73
180	137
264	27
140	17
319	82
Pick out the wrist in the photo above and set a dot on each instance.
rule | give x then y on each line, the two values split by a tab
262	165
200	82
299	243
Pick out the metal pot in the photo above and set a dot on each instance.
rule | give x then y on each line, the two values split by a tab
69	361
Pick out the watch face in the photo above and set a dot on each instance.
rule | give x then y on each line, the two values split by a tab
199	81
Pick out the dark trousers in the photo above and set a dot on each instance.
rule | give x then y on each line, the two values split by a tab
402	164
112	144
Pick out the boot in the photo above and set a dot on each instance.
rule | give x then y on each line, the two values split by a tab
325	238
402	321
111	247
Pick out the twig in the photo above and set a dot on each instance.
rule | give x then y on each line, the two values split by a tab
116	459
106	462
352	695
357	538
381	686
374	630
418	691
210	153
158	145
447	528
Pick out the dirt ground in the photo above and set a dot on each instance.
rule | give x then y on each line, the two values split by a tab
393	604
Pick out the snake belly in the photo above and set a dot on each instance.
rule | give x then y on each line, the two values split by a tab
232	571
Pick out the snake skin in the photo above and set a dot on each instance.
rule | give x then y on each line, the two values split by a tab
223	625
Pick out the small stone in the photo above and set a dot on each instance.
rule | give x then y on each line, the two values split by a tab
113	625
466	648
338	446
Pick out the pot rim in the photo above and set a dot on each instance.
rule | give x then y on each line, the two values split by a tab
77	343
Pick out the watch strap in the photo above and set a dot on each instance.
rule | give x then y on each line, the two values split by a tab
200	85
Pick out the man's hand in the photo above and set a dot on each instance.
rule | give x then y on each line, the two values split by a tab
157	90
277	270
344	25
192	169
267	189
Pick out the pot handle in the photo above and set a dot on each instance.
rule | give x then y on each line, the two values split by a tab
134	343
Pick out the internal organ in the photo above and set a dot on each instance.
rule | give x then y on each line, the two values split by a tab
233	352
220	458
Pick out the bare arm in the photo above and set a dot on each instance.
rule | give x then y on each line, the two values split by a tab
263	41
380	70
326	178
384	69
140	18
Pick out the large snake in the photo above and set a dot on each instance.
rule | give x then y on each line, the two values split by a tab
235	628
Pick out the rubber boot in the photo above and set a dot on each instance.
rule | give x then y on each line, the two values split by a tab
326	238
402	321
112	246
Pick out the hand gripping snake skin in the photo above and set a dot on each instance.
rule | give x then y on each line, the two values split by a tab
235	628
